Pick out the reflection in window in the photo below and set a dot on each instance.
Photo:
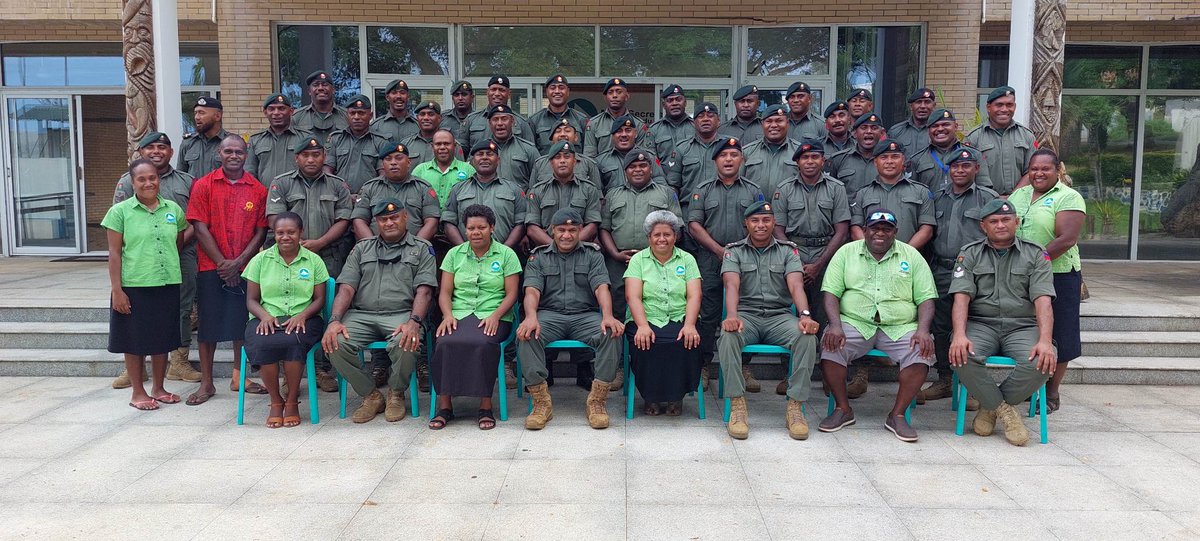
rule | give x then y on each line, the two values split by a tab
666	51
529	51
304	49
1099	136
885	60
993	66
788	51
96	64
774	97
415	97
1102	66
1169	226
412	51
1175	67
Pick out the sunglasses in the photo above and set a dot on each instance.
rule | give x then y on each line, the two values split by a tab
882	216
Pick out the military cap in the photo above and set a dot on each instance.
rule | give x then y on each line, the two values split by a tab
500	80
940	115
429	105
319	75
486	144
745	91
1000	93
556	79
838	105
622	121
634	157
561	146
885	147
388	205
706	107
808	145
869	118
757	207
276	99
154	137
965	153
501	109
728	142
462	86
567	216
397	84
881	216
798	86
563	122
920	94
358	101
777	109
210	102
312	143
391	148
861	93
670	90
616	81
996	206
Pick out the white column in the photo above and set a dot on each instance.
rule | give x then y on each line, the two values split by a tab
1020	56
167	97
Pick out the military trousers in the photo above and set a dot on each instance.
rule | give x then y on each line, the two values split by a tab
187	292
1009	338
582	327
365	328
616	286
711	290
782	330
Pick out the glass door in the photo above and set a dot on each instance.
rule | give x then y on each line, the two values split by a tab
43	175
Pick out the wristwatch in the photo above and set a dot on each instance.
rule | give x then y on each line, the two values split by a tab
417	318
805	313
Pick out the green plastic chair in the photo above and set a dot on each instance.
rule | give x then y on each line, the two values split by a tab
1036	403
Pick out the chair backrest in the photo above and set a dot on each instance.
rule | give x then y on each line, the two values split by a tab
330	293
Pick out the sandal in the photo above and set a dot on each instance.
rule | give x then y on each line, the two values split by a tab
148	404
199	397
291	420
1052	404
253	388
275	421
168	398
441	419
485	420
652	409
674	409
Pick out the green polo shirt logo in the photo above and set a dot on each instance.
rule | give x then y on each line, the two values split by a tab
495	266
904	267
679	270
170	217
1048	202
305	274
462	175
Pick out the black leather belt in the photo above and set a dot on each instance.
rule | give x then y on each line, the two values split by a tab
813	242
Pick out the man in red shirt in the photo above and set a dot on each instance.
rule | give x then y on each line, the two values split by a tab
228	210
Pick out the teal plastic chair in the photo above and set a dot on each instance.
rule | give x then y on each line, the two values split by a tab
502	388
629	386
1037	403
754	349
314	413
907	411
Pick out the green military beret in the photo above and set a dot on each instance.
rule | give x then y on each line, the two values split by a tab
777	109
838	105
562	123
556	80
312	143
623	121
154	137
391	148
727	143
940	115
397	84
1000	93
428	105
462	86
920	94
567	216
319	75
671	90
275	99
808	145
561	146
798	86
706	107
501	109
486	144
745	91
885	147
210	102
758	207
634	157
358	101
996	206
965	153
615	81
861	93
387	206
500	80
869	118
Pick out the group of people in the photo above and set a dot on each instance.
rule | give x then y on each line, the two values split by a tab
690	238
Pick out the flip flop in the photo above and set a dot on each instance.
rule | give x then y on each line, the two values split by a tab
255	388
198	398
148	404
485	420
169	398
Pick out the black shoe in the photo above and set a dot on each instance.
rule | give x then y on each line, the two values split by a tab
380	375
423	376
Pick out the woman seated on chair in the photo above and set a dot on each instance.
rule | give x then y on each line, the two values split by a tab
662	287
285	292
478	290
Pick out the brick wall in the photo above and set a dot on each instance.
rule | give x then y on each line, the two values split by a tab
1125	32
104	160
1109	10
80	10
95	30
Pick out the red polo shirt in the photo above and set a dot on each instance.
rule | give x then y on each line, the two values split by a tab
231	210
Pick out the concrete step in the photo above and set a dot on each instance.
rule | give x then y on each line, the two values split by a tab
1141	344
54	314
1140	324
82	362
54	335
1135	370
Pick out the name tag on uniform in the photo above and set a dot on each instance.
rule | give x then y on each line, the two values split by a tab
304	274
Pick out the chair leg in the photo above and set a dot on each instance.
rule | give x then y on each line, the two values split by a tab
908	411
341	397
242	391
501	389
432	402
700	399
1042	407
832	405
414	401
961	416
728	406
954	392
314	410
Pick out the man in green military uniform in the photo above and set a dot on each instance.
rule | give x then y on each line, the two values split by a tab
585	167
714	216
612	161
567	298
397	184
321	116
445	169
803	123
622	231
353	152
957	210
879	295
695	153
270	151
675	126
517	155
769	160
398	124
837	127
420	144
462	100
745	125
565	190
598	132
1003	287
478	126
763	281
173	185
198	151
384	293
1006	144
855	166
913	132
892	188
546	120
930	165
485	187
860	103
322	199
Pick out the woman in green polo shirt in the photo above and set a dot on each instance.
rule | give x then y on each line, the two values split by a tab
145	233
480	278
285	291
1052	214
662	287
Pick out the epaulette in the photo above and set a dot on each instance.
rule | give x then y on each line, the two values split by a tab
189	135
591	245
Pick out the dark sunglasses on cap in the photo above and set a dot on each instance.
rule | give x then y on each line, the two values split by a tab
882	216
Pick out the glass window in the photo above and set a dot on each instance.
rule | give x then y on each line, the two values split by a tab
993	66
520	100
529	51
1169	226
198	64
666	51
885	60
1099	139
415	97
1175	67
412	51
1102	66
773	97
304	49
788	51
96	64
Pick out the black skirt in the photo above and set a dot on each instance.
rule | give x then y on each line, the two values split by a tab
667	371
464	362
280	346
222	308
151	327
1067	287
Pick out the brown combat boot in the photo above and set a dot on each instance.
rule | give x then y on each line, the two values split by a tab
179	369
510	376
704	377
597	415
326	382
395	410
985	422
797	425
123	382
739	422
1014	430
858	384
935	391
617	382
543	408
752	384
373	404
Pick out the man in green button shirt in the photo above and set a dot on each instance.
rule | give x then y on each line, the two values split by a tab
745	124
544	122
420	144
567	298
855	166
564	191
763	280
624	140
675	126
929	164
1003	287
803	123
445	169
585	167
384	293
913	132
323	200
198	151
478	126
398	124
1006	144
322	116
769	160
598	132
462	100
270	153
417	196
879	295
694	158
837	127
486	188
354	152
